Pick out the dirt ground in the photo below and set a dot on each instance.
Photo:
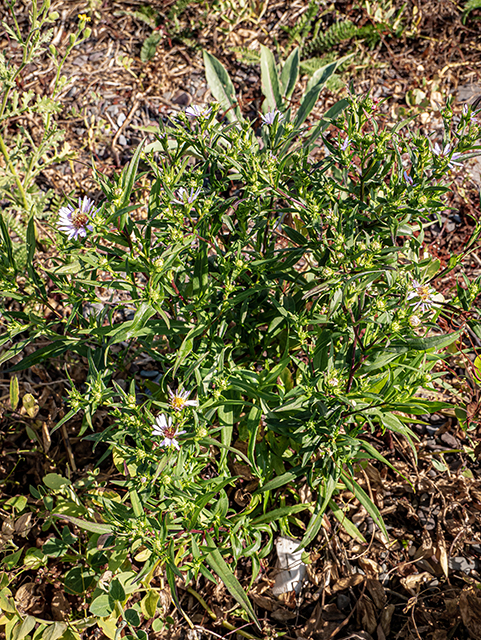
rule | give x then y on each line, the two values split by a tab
423	583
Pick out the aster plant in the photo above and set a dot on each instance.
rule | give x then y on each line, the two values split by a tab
302	344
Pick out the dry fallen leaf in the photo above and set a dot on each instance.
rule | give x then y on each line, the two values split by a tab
366	614
470	608
377	592
413	582
370	567
29	600
346	583
386	617
60	606
442	554
22	524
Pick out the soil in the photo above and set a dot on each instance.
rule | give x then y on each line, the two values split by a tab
422	583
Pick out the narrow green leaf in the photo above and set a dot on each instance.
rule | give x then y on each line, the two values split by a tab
184	350
270	80
281	480
14	394
226	419
221	86
31	238
433	342
365	500
7	243
330	115
315	522
313	89
282	512
136	503
65	419
290	73
93	527
217	563
344	521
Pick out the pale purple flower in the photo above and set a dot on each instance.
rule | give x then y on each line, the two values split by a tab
444	153
408	178
422	294
197	111
74	220
270	117
184	197
179	399
345	144
163	427
472	116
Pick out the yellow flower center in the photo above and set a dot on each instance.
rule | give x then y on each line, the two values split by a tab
79	220
423	292
178	403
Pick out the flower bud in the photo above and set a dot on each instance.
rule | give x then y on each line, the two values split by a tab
55	15
414	321
72	38
87	33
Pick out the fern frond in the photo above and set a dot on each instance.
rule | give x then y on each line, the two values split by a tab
337	33
300	31
311	65
247	56
470	5
334	35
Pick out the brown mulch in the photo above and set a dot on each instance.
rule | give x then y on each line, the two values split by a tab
422	582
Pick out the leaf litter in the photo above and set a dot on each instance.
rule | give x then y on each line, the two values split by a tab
422	582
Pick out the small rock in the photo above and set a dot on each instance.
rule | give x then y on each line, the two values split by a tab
458	563
182	98
113	109
95	57
121	119
450	226
450	440
343	602
79	61
122	140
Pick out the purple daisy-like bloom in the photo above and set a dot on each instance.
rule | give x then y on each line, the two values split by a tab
74	220
453	160
196	111
163	427
179	399
345	144
472	116
422	294
270	117
184	197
